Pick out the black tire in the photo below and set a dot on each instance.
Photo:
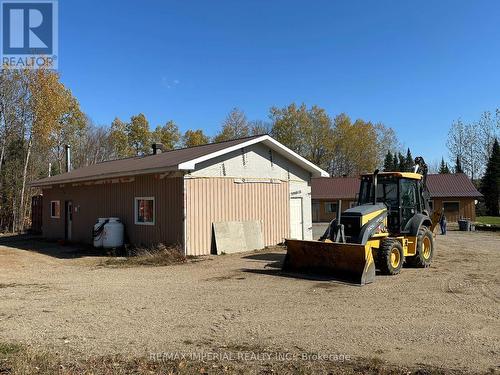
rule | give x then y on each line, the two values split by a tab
424	254
386	257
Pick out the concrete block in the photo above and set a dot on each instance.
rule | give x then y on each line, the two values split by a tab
238	236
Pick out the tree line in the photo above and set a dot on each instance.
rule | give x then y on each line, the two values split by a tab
339	145
39	116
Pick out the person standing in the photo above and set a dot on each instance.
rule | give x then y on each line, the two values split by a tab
442	223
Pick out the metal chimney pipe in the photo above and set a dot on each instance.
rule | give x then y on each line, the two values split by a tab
68	158
158	148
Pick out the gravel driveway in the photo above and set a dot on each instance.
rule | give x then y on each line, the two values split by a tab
446	316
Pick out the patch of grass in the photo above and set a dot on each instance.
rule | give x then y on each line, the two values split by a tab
492	220
9	348
19	359
159	255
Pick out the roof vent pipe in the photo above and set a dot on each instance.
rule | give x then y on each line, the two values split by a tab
157	148
68	158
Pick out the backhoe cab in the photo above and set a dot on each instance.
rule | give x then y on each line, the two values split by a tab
389	226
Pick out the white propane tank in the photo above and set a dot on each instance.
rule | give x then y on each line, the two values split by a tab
98	231
113	233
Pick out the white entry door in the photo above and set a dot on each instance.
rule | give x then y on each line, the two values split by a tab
296	227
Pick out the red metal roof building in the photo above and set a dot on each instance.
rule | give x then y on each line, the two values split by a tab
455	192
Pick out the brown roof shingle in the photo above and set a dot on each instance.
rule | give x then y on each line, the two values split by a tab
181	159
451	185
165	161
440	186
335	187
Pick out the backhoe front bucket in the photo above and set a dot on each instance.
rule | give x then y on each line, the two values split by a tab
351	262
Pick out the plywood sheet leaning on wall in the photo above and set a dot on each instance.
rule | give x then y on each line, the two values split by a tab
238	236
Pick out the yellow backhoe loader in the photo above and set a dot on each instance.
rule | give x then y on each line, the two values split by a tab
391	225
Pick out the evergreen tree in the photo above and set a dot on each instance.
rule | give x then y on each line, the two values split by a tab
401	162
443	167
388	164
409	161
395	163
458	166
490	184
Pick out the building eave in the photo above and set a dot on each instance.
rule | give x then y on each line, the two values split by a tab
47	182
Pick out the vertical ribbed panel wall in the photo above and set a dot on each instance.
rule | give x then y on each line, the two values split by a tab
117	200
210	200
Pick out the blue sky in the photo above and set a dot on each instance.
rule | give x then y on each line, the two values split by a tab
412	65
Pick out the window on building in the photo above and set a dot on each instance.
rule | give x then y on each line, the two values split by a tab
145	211
331	207
431	205
55	209
451	208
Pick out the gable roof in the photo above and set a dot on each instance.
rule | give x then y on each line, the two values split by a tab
335	188
184	159
453	185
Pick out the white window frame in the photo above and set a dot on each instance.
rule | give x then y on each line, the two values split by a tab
136	210
55	217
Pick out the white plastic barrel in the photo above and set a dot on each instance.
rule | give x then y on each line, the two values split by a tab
98	236
113	233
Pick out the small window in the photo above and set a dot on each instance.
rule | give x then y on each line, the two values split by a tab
55	209
145	211
451	208
431	205
331	207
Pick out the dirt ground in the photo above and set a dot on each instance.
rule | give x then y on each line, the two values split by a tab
447	316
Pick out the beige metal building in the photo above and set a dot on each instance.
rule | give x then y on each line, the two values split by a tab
175	197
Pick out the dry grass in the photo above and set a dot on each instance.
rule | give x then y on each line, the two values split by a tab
17	359
158	255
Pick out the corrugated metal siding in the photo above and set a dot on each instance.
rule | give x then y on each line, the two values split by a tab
210	200
117	200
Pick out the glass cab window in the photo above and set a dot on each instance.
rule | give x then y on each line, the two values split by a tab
409	201
387	191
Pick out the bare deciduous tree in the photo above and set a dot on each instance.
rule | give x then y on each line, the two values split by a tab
470	143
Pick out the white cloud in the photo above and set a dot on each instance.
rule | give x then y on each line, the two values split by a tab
169	84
